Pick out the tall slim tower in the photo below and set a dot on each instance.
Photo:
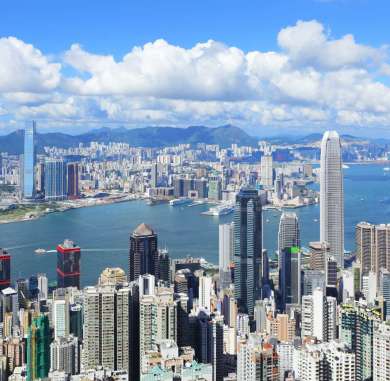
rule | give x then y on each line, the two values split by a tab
5	269
28	176
247	250
225	254
332	196
143	256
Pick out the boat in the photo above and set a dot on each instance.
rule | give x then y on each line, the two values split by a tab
220	210
345	166
40	251
179	201
386	169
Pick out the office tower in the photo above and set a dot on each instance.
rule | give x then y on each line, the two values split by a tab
331	272
205	289
72	175
313	279
188	186
64	355
68	265
384	291
106	327
10	304
40	177
38	348
23	292
33	287
154	176
200	186
55	179
163	267
261	315
5	269
215	189
290	277
381	353
357	332
143	254
177	187
319	251
225	254
324	361
29	157
229	309
42	286
60	314
247	250
256	361
267	173
183	338
76	320
288	235
112	276
332	196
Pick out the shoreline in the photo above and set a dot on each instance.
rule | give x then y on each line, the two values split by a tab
64	206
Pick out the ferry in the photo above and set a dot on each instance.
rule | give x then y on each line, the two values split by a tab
179	201
40	251
386	169
220	210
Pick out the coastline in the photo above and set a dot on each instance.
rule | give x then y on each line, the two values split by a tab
63	206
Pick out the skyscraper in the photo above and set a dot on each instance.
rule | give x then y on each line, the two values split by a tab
288	235
29	157
247	250
72	174
55	179
68	264
143	256
267	173
290	278
106	327
225	250
5	269
38	348
332	196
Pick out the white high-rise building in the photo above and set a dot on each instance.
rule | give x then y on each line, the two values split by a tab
288	235
225	253
332	196
319	314
42	286
64	355
381	353
266	167
61	317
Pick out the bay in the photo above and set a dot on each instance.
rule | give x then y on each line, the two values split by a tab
103	232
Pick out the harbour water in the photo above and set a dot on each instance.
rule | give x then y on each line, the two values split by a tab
103	231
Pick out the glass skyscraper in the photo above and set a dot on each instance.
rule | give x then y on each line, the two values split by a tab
55	180
247	250
28	175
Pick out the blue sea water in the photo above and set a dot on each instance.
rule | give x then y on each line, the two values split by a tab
103	231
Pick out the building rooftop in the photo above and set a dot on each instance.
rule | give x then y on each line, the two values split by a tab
143	230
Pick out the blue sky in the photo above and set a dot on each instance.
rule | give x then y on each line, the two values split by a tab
59	49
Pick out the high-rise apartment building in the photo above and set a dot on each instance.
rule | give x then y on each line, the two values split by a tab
332	196
381	352
143	256
357	332
65	355
68	264
28	165
319	252
106	327
247	249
